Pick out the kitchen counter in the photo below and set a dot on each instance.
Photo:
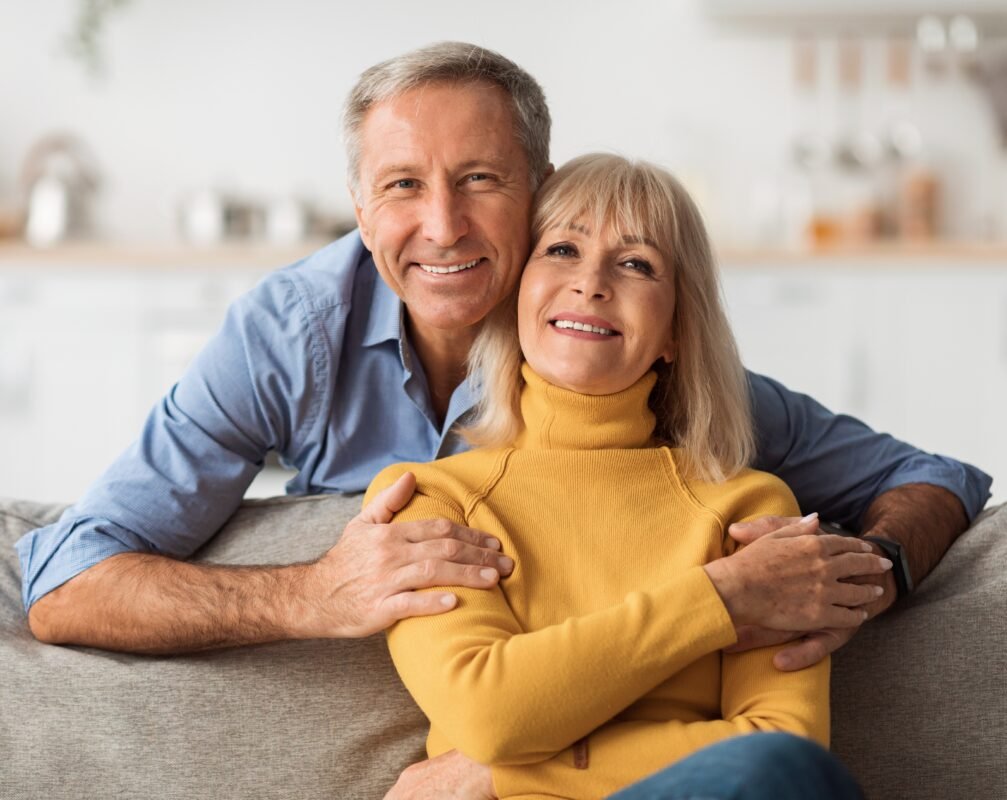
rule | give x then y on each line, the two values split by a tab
133	255
263	256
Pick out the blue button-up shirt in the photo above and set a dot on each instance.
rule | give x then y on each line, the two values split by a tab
315	364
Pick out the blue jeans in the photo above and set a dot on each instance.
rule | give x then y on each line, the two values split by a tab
759	766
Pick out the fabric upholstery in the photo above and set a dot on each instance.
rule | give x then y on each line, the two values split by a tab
919	698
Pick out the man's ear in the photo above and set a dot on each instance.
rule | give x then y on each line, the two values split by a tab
549	170
362	226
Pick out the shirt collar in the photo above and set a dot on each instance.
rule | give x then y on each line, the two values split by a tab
384	317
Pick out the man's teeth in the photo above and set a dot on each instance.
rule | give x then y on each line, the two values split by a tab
446	270
581	326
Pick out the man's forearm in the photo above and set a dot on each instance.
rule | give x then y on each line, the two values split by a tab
925	519
142	603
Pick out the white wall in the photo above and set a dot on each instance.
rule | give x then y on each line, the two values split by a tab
247	95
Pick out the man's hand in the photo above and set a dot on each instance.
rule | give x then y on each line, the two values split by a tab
794	580
811	647
367	581
450	776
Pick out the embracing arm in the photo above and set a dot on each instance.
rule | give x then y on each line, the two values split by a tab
837	466
110	573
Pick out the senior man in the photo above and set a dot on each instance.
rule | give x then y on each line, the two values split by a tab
354	358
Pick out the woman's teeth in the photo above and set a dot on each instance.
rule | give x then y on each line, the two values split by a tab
580	326
445	270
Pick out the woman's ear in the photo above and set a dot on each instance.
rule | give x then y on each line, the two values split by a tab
669	353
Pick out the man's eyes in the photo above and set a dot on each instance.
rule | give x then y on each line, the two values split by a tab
404	183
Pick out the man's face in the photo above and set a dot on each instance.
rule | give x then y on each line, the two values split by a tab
445	199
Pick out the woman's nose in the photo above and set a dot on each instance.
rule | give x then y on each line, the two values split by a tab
444	221
591	280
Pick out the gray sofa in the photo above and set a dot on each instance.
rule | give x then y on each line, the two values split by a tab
920	696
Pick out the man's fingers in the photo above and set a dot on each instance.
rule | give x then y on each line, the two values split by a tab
751	637
417	604
461	552
384	505
426	529
748	532
852	595
433	572
812	649
841	617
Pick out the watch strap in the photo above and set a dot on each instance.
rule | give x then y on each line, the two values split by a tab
900	564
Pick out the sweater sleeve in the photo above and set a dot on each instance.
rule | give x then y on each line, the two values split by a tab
755	697
505	696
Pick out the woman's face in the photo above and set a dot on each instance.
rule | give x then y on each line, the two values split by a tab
595	308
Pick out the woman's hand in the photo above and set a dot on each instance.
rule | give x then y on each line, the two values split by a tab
450	776
795	580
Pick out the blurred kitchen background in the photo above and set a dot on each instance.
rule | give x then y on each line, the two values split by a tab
157	158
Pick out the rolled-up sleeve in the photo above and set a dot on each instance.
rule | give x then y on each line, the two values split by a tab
836	465
200	448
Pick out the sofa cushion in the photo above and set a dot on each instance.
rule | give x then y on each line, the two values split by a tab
918	696
314	719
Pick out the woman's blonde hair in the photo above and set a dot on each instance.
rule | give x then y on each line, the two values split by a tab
701	401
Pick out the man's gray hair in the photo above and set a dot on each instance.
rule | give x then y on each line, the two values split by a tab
450	62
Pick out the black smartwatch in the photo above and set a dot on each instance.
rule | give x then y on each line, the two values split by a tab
900	564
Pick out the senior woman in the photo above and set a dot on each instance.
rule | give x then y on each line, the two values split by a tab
612	391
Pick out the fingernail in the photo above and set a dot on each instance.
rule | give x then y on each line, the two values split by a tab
811	516
864	615
506	564
886	563
487	574
742	525
878	591
493	544
447	600
866	547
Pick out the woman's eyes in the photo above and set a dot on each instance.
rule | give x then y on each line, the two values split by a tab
561	250
638	265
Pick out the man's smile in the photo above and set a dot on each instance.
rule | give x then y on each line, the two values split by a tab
446	269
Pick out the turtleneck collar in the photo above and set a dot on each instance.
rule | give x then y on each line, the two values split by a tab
558	419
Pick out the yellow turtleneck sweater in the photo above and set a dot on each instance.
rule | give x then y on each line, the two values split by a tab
599	660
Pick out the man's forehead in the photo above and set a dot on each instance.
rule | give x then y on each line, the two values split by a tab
467	124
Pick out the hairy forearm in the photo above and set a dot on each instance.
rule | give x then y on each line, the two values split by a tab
925	519
135	602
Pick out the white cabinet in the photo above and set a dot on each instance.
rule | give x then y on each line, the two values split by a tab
84	354
915	350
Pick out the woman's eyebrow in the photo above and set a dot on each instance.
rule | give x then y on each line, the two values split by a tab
627	239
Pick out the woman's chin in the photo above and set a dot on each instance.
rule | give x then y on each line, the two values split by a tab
595	382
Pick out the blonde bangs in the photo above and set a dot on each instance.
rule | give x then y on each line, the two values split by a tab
608	193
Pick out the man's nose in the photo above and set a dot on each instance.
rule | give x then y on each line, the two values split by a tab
444	218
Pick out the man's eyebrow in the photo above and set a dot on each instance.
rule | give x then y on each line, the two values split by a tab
381	175
494	164
489	163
